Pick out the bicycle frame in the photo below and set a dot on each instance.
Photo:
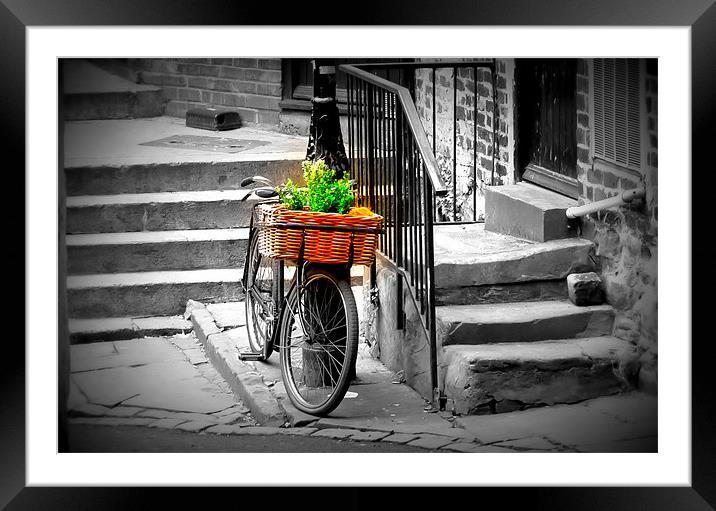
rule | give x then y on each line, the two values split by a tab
302	266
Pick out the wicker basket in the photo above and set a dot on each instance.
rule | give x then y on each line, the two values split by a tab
321	246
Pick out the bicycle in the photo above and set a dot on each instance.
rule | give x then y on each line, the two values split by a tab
313	326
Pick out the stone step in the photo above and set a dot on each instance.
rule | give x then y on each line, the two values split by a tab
473	265
93	93
117	329
508	377
167	211
503	293
103	179
161	293
521	322
156	251
528	211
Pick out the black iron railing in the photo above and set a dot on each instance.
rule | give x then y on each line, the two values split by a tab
398	176
461	112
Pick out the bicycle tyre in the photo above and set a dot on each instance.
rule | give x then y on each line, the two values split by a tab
326	364
260	291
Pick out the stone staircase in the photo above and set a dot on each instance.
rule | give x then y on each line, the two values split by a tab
134	259
508	336
150	227
94	93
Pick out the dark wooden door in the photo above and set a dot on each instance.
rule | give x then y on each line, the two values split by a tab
547	123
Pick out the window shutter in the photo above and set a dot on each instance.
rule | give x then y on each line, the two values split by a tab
617	123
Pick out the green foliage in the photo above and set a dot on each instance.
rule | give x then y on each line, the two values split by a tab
325	193
291	195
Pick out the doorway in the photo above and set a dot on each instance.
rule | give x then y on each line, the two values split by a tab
547	123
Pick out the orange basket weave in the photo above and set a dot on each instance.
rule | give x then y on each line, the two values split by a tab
321	246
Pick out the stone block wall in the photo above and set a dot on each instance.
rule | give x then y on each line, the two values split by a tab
405	351
626	238
472	87
252	86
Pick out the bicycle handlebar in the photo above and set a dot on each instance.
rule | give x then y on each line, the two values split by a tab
256	179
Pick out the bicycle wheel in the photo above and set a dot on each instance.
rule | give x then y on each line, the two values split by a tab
318	341
259	300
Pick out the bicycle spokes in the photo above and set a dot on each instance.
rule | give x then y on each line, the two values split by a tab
318	345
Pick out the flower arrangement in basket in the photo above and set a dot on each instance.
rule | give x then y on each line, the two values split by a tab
324	202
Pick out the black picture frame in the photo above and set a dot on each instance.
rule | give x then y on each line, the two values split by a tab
700	15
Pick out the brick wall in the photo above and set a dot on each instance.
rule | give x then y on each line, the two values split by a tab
470	189
252	86
626	238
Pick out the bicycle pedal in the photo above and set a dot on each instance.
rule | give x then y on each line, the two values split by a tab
251	356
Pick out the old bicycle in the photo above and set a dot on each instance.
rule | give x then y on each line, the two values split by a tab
314	324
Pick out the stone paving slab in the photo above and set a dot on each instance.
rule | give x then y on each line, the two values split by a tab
228	315
176	386
112	421
577	426
337	433
166	423
243	379
369	436
123	411
400	438
531	444
224	429
119	142
150	389
471	447
430	442
108	387
297	431
89	357
195	426
89	410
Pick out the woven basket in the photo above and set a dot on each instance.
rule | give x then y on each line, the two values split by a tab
321	246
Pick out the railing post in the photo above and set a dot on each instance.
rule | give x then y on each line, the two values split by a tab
398	196
370	157
430	287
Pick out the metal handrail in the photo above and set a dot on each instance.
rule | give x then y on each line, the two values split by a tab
413	121
611	202
428	64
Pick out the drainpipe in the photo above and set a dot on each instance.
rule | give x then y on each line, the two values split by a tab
611	202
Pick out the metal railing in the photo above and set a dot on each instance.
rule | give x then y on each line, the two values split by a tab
450	111
398	176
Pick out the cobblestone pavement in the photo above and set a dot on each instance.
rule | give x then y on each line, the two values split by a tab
163	382
169	383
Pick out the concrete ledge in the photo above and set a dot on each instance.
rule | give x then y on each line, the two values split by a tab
243	380
175	177
156	251
115	329
469	255
511	376
521	322
166	211
503	293
528	211
157	293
